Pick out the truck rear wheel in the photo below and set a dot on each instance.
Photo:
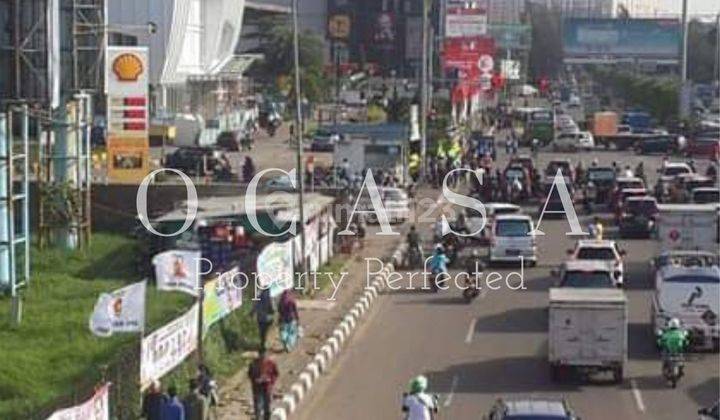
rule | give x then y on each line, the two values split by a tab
555	373
618	375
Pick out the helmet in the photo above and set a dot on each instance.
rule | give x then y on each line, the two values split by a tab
439	248
418	384
674	324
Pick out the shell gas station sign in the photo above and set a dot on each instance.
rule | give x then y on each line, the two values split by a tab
126	73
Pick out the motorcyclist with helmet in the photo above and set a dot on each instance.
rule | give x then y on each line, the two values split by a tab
414	251
673	343
438	265
418	404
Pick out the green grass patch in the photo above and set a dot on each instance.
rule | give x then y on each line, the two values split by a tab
52	359
334	266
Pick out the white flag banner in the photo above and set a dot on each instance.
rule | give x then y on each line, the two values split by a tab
178	271
96	408
167	346
120	311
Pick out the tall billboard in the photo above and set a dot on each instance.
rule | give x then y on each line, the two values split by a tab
610	39
126	78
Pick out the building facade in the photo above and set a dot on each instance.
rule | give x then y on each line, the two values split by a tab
605	8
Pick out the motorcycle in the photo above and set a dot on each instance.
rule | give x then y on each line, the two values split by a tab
471	291
413	257
673	368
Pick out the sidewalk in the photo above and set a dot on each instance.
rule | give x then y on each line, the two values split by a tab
318	318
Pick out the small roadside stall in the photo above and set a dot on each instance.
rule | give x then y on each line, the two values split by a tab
222	230
373	146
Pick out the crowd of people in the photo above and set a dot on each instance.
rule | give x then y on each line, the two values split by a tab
198	403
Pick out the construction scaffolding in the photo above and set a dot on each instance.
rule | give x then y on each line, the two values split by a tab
14	204
89	32
24	69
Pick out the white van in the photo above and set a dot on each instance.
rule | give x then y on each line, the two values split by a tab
512	238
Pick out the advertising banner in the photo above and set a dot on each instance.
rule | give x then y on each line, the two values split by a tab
120	311
128	159
621	38
168	346
510	69
96	408
222	296
465	19
465	53
511	36
275	267
460	23
178	271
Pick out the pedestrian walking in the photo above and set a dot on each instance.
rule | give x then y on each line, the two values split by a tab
263	373
264	315
173	408
289	320
153	402
195	404
208	388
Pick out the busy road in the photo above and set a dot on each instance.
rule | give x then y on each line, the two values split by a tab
496	347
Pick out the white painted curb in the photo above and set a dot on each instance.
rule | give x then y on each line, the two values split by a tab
334	344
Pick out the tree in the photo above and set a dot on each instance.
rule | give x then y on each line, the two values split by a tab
702	50
276	44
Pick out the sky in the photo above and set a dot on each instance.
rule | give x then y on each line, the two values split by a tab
694	6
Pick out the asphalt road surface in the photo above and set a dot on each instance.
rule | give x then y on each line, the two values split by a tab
496	346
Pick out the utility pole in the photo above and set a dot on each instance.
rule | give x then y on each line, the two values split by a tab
299	137
684	111
423	92
716	73
683	69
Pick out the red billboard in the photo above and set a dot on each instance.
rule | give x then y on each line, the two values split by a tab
464	53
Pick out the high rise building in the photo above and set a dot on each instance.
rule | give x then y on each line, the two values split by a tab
505	11
604	8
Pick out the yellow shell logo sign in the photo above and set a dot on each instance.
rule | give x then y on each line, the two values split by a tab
127	67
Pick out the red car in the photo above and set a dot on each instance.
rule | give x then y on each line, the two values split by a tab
704	148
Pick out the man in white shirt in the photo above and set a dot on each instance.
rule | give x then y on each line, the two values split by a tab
418	405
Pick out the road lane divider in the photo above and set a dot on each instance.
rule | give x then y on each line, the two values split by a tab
637	395
451	394
320	364
471	331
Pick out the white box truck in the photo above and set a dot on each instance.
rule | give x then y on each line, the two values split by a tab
689	227
587	331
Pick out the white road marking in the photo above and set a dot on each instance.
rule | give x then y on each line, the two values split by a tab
638	396
449	398
471	331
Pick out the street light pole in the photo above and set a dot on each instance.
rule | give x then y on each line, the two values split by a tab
683	69
423	92
682	101
299	137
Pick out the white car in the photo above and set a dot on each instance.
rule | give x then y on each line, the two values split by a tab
599	250
572	141
512	239
690	294
670	170
473	219
587	274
